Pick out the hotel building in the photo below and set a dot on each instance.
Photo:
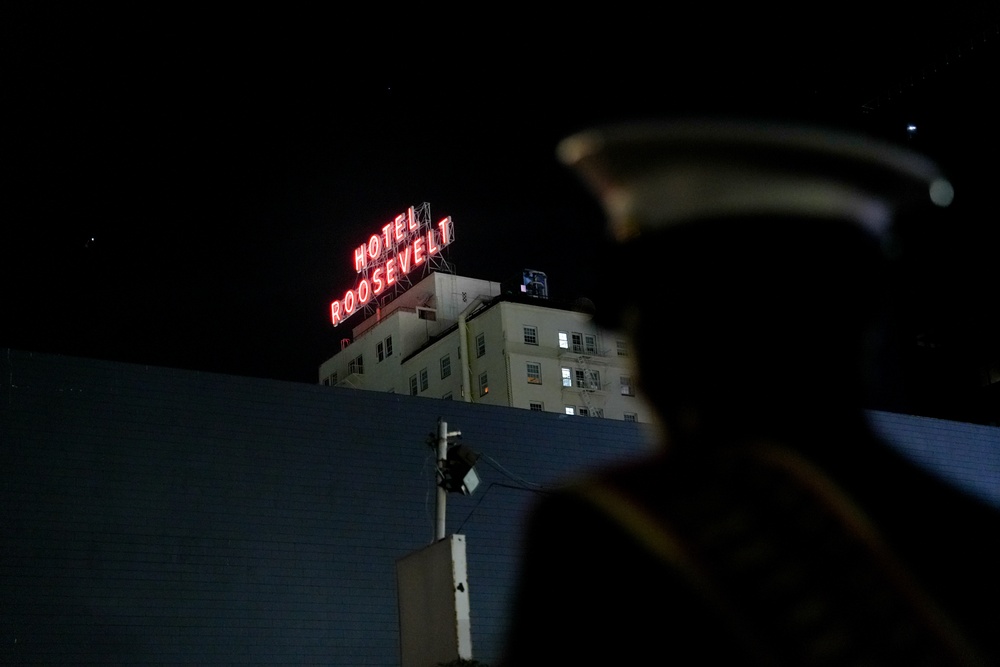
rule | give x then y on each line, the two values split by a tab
460	338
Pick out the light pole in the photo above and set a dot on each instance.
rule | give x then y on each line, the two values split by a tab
432	583
442	461
456	472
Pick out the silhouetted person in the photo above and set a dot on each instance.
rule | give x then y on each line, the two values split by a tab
772	527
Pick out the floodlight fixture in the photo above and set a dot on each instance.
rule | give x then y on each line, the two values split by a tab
458	472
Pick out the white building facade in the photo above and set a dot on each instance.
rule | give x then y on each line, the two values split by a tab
459	338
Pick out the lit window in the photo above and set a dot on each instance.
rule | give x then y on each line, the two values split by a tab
413	385
564	340
537	407
445	366
534	372
484	384
480	345
530	335
423	379
627	388
570	410
567	377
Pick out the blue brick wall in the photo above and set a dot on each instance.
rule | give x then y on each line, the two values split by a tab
157	516
966	454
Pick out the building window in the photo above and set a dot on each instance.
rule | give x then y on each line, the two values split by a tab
567	377
356	365
484	384
594	380
445	366
413	385
587	379
480	345
332	380
627	388
570	410
581	343
631	417
534	372
423	379
530	335
622	348
384	350
536	406
583	411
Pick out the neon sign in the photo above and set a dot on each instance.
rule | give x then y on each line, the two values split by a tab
401	246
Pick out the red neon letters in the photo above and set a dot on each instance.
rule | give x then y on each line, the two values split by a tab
401	246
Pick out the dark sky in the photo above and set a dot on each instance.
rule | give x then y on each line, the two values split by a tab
183	188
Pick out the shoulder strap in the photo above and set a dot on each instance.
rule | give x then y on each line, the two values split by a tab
718	574
859	527
654	533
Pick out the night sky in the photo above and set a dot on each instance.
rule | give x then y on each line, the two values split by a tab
183	188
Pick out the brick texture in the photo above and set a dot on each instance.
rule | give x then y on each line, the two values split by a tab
158	516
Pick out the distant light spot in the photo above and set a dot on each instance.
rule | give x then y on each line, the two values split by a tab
942	192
